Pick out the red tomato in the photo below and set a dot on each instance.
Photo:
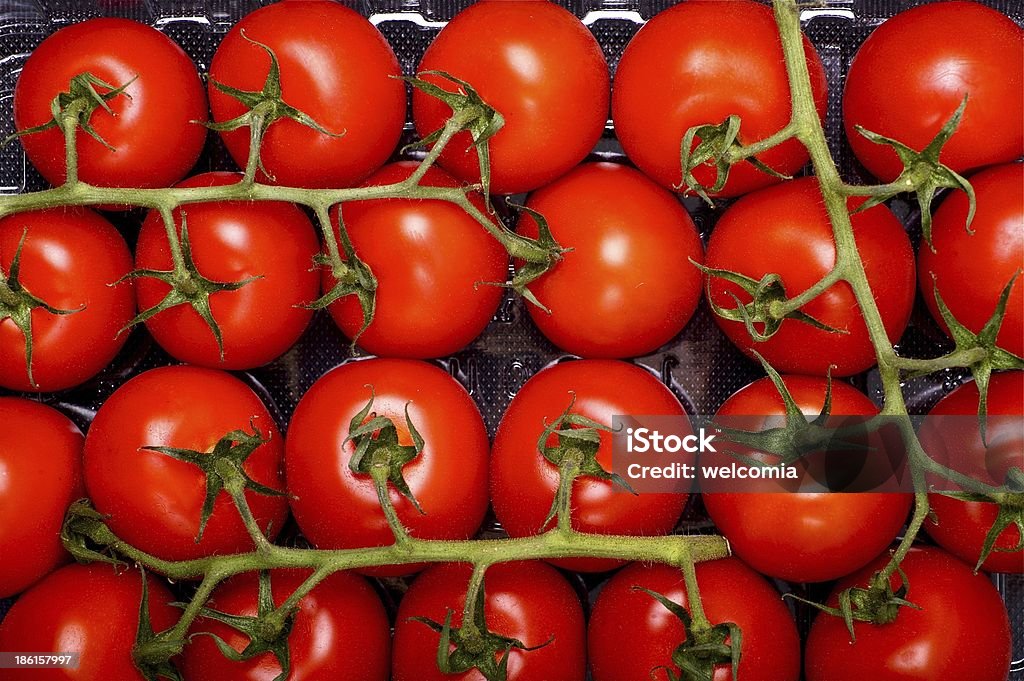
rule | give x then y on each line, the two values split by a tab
154	501
337	508
785	230
627	287
529	602
35	490
960	632
911	74
805	537
70	259
153	129
523	482
541	69
336	68
686	68
232	241
971	270
86	609
631	633
430	259
340	632
963	525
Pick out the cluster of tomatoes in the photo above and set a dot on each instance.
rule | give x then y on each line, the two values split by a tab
626	287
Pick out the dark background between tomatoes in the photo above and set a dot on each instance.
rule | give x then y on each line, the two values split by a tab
700	365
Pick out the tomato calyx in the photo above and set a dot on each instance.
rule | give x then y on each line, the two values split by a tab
153	651
878	603
17	304
470	113
85	535
223	468
188	287
923	173
767	306
548	253
1011	512
718	146
703	649
77	106
575	454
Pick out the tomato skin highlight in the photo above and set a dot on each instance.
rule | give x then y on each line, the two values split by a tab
686	68
805	537
340	632
337	68
71	258
960	632
911	74
785	230
153	130
153	500
523	482
624	619
337	508
528	601
541	69
971	270
627	287
433	263
232	241
35	491
87	609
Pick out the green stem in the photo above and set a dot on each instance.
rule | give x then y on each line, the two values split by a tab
476	583
380	483
761	146
700	622
210	581
959	358
236	488
323	217
173	240
782	308
257	129
69	125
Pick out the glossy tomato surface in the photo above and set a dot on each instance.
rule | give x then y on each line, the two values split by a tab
153	500
35	490
231	242
699	63
530	602
540	68
958	526
153	126
961	630
913	71
784	230
631	634
804	536
91	610
72	259
972	269
337	68
523	482
627	287
340	632
337	508
432	262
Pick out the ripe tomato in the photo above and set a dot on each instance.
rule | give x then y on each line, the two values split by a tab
340	631
804	537
35	490
336	68
232	241
154	129
963	525
430	259
913	71
91	610
686	68
626	288
971	270
70	259
527	601
523	482
338	508
541	69
631	634
960	632
785	230
153	500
